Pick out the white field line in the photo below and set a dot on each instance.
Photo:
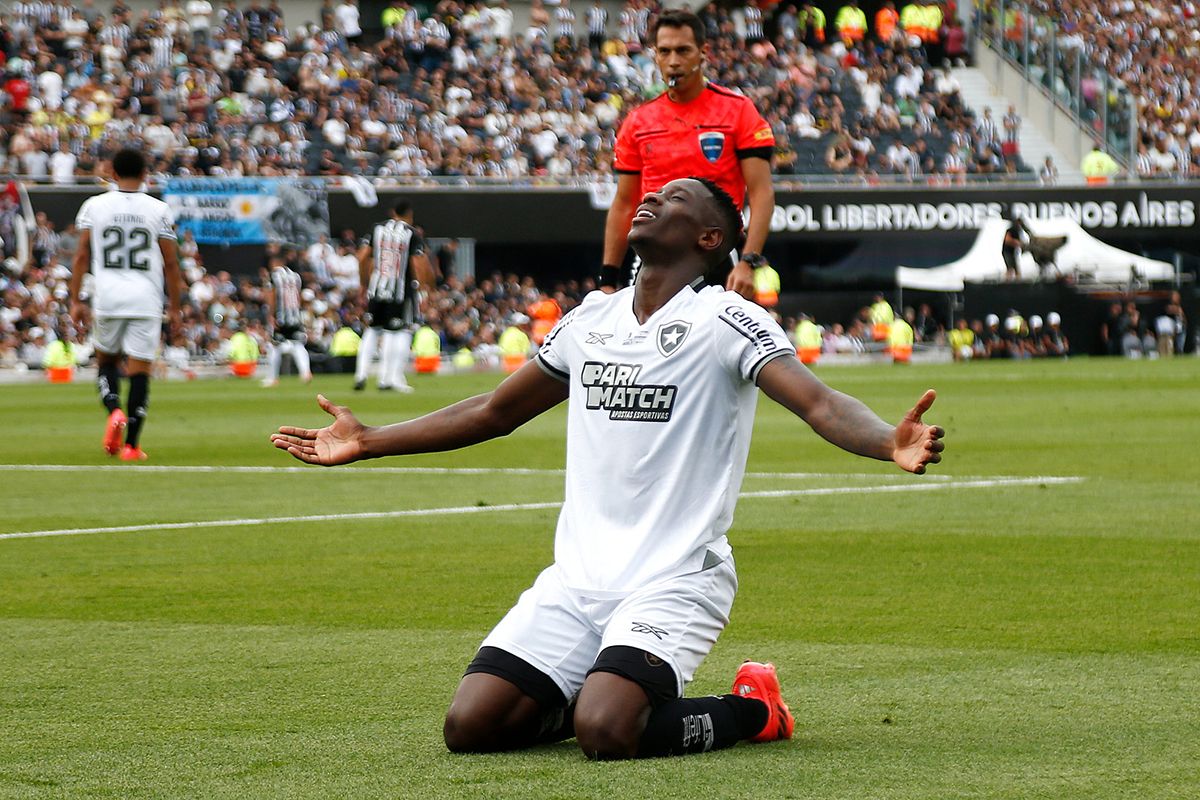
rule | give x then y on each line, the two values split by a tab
313	470
452	510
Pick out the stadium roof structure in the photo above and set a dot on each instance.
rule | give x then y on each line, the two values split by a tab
1080	255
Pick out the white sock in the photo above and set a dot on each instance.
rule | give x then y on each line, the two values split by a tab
366	352
274	355
396	345
300	356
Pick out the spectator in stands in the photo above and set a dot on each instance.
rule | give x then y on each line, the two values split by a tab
994	343
1054	341
1048	173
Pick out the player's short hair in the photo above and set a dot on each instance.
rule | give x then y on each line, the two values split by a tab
680	18
129	163
402	208
734	237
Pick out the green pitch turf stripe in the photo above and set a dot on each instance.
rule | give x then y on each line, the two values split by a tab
452	510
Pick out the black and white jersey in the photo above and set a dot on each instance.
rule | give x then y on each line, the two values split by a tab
565	17
597	21
658	429
393	243
124	229
286	285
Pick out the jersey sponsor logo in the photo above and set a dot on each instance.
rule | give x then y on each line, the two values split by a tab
634	338
643	627
748	326
712	144
598	338
671	336
614	388
764	135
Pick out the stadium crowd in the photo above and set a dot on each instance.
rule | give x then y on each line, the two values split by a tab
464	313
1150	48
226	89
229	90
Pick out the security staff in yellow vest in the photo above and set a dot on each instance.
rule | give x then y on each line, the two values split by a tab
345	342
463	360
851	23
243	354
427	350
912	21
59	360
1098	166
961	340
881	318
900	338
933	16
808	340
766	285
514	343
811	24
59	353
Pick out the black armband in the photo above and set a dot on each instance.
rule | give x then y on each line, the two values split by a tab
610	276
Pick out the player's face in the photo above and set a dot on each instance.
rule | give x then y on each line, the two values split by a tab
677	56
676	218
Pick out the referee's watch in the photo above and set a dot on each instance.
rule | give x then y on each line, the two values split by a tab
755	260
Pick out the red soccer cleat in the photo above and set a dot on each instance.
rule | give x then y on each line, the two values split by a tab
115	432
131	453
760	682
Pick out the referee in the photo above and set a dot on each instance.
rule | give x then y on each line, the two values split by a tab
694	129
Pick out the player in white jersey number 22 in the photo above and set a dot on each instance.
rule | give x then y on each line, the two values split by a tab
663	379
127	241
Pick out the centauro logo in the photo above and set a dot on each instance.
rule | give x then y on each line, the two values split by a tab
614	388
748	326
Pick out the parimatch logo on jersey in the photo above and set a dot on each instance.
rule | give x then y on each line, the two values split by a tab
614	388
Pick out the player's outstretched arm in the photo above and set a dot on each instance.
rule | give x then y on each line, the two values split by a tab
522	396
846	422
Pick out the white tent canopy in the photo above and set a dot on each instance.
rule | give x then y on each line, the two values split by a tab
1082	255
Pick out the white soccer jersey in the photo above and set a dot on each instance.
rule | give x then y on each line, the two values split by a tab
658	431
126	260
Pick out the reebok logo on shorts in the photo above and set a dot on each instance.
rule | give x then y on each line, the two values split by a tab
642	627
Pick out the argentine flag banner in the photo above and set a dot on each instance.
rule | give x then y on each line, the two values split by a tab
292	211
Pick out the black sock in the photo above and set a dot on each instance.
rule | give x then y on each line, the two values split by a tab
108	382
139	398
700	724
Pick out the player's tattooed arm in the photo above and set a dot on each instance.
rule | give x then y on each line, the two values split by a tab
847	422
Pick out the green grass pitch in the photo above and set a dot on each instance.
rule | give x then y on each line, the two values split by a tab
943	636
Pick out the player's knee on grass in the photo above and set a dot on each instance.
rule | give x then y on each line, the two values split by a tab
610	716
490	714
621	689
502	703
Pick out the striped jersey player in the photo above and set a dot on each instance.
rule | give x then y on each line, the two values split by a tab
392	266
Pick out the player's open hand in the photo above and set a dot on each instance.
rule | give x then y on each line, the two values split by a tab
918	444
741	280
338	443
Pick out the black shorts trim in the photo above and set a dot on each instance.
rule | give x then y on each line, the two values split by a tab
520	673
389	315
655	676
290	333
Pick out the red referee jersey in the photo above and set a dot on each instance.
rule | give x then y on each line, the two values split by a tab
663	140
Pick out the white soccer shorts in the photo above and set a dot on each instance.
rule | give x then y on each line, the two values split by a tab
561	631
136	337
